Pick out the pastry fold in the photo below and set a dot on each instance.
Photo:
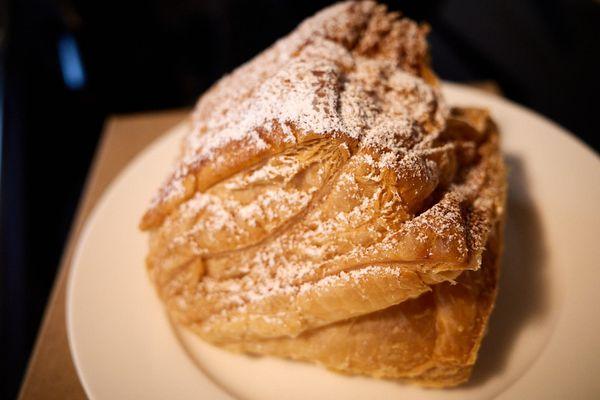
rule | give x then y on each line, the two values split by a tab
328	206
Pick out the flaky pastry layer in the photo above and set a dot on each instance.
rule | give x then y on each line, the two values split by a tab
324	196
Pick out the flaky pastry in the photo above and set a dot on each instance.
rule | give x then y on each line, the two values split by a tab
328	206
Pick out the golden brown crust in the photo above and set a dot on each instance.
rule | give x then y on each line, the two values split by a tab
324	182
431	340
236	115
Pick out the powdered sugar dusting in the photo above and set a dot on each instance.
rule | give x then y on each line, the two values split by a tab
323	79
347	173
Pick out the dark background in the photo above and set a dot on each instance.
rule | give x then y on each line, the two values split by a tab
66	65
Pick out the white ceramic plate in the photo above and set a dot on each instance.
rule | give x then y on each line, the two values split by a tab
543	340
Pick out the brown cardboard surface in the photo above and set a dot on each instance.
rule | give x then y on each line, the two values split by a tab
51	373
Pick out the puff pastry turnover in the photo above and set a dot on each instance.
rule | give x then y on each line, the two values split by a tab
328	206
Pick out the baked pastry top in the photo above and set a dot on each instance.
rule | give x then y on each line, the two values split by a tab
326	194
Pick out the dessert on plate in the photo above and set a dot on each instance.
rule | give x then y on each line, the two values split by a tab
329	206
